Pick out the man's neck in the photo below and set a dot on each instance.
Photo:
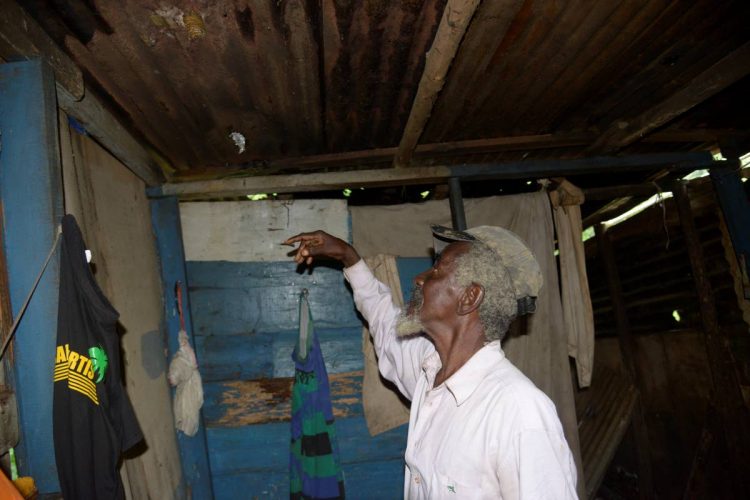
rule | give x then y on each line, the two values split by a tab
455	349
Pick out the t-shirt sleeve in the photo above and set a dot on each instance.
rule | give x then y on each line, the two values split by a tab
399	359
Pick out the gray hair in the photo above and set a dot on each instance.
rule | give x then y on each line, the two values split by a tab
481	265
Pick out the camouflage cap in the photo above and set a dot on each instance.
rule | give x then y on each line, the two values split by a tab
523	268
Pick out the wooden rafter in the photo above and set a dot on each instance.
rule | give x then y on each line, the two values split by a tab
456	18
718	77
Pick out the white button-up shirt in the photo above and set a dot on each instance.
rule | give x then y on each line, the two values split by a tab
486	432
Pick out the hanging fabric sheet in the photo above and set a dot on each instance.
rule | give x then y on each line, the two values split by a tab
93	420
314	466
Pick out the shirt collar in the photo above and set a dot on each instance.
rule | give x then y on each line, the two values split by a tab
464	382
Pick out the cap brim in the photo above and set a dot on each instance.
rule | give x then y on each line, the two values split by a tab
443	236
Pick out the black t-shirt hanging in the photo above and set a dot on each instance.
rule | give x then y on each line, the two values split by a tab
93	419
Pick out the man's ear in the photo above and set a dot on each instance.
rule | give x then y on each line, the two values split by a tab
471	299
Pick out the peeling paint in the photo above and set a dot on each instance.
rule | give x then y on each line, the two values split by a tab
249	402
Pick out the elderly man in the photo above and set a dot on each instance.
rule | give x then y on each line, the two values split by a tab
478	427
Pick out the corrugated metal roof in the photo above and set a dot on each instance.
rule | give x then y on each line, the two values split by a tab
299	78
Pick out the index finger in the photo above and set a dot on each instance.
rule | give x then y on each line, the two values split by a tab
299	237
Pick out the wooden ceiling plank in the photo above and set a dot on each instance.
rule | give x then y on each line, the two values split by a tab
21	37
456	18
721	75
238	187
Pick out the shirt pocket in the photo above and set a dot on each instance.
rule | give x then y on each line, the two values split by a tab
449	488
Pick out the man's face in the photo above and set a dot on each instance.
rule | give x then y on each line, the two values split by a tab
435	296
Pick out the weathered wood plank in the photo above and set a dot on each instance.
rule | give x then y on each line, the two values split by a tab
373	480
243	297
241	232
440	149
456	18
241	403
268	354
425	175
265	447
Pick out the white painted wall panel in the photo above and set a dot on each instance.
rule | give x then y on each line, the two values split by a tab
251	231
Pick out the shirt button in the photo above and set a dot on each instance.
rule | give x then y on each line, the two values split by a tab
416	479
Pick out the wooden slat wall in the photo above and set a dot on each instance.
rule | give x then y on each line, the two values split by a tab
245	321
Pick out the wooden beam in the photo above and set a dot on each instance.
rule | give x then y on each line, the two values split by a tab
31	194
385	155
727	391
21	38
102	126
721	75
628	352
456	18
238	187
700	135
612	192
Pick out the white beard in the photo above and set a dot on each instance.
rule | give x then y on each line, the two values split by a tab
410	324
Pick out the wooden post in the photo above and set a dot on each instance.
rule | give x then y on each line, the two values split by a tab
165	217
31	194
458	217
727	395
627	348
735	207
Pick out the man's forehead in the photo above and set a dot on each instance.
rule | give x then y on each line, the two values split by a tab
453	251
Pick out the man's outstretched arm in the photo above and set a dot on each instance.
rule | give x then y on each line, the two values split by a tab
399	360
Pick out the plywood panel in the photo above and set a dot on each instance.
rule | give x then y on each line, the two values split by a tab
242	231
110	204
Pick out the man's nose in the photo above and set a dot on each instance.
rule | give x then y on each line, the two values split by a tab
419	278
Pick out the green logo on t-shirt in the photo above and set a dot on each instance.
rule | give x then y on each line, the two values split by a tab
99	360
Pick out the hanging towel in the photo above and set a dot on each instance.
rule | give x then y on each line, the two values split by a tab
578	313
93	420
383	406
314	466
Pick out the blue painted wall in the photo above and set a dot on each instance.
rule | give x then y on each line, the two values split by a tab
31	196
245	318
